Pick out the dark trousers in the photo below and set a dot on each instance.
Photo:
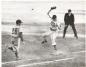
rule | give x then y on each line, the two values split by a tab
74	30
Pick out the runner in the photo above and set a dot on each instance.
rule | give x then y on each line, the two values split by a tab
17	37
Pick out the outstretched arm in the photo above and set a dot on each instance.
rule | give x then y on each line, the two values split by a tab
48	13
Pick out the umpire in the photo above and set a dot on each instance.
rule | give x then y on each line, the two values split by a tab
69	20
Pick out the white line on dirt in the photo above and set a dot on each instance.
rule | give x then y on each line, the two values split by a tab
35	59
46	62
17	61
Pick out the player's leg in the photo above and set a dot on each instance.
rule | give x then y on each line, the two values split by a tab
44	35
17	48
16	52
12	42
74	30
19	42
64	32
11	46
53	40
14	49
44	39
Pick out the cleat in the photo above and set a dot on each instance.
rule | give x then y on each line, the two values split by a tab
76	37
45	41
42	42
10	48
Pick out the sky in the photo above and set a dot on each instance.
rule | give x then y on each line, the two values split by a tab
36	11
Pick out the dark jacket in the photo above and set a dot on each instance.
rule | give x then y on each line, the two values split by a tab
69	20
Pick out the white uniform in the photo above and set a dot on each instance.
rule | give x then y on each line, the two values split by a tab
53	32
15	37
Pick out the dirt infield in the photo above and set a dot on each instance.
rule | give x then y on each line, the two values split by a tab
33	49
35	54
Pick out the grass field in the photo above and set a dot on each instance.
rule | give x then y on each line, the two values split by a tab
35	54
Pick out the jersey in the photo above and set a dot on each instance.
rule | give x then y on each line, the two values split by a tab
15	31
53	26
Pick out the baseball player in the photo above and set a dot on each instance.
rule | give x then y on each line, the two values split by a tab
54	27
17	37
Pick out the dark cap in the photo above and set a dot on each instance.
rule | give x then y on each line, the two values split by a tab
69	10
18	21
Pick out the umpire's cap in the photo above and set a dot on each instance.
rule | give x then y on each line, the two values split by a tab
69	10
18	21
